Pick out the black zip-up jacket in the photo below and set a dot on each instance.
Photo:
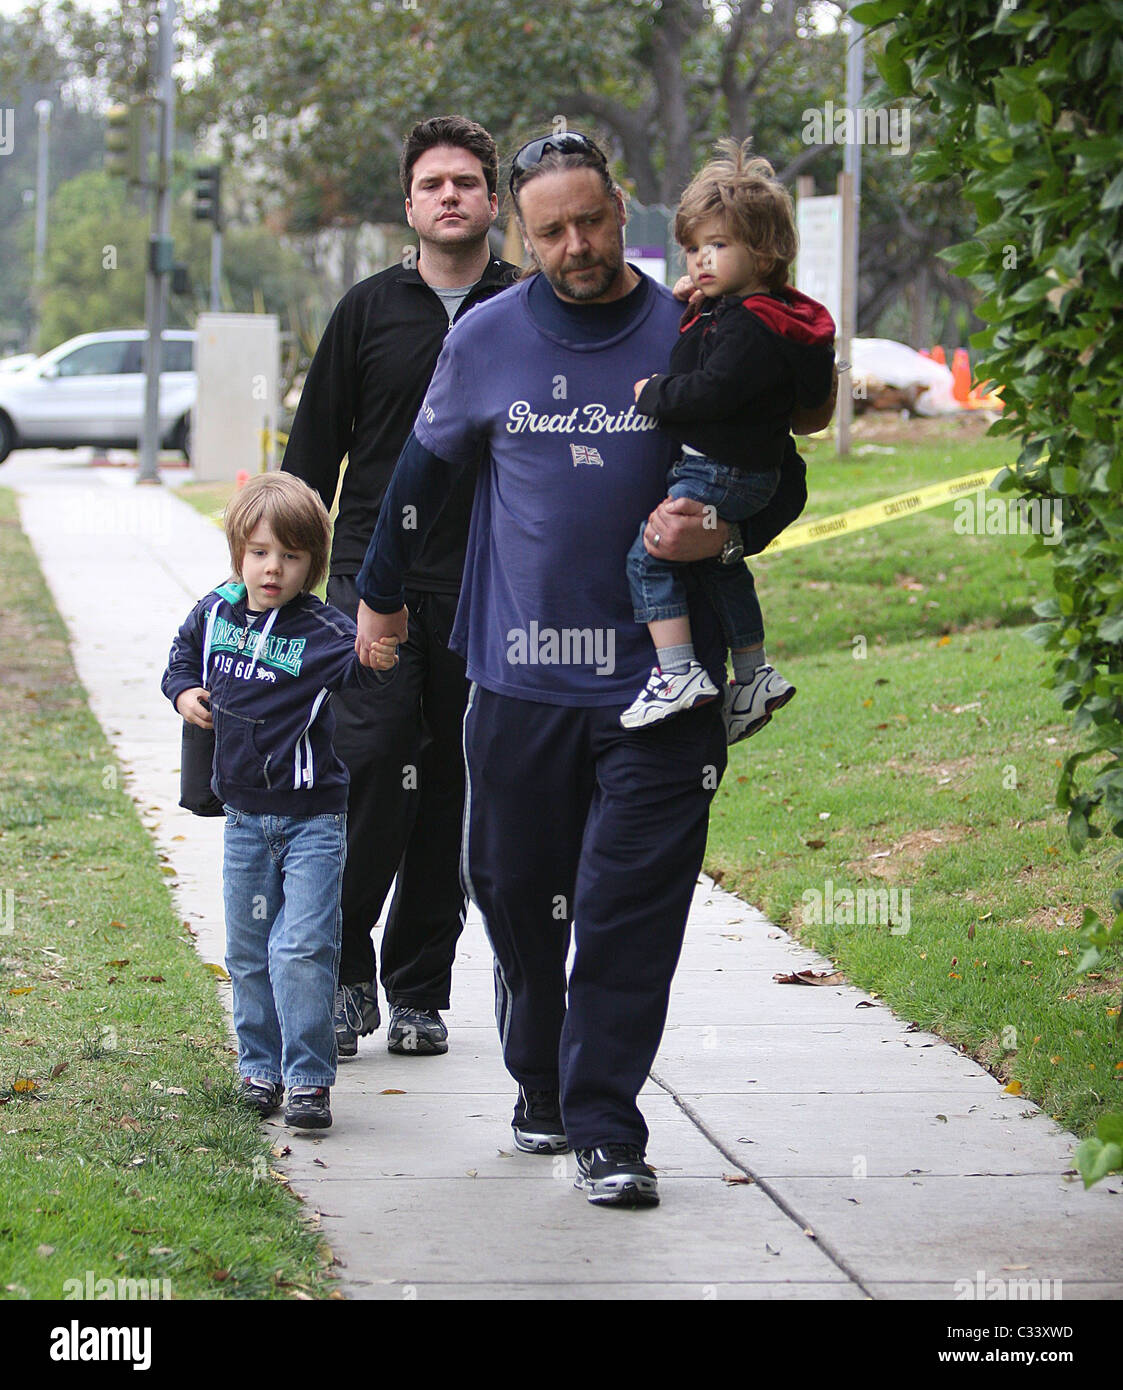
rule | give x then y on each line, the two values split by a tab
270	684
362	394
738	372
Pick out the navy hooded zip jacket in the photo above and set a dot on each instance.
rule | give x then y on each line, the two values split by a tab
270	679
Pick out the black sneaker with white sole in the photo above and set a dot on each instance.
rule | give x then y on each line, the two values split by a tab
263	1096
354	1015
309	1107
417	1031
537	1123
616	1175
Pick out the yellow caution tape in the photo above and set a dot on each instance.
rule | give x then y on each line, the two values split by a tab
877	513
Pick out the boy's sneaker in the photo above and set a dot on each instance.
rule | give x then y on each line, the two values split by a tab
355	1015
263	1096
616	1175
537	1123
415	1030
667	694
309	1107
749	705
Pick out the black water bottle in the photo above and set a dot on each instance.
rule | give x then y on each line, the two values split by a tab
196	766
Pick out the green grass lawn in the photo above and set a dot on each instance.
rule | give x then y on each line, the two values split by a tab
122	1154
921	753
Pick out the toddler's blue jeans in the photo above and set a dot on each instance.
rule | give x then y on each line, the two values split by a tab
657	587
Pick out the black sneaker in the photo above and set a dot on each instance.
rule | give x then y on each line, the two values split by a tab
415	1030
616	1175
537	1123
355	1015
263	1096
309	1107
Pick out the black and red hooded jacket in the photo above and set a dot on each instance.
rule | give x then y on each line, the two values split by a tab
738	371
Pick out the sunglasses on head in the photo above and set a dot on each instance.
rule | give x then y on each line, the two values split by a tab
569	142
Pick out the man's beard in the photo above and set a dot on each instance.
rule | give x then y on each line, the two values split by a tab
607	272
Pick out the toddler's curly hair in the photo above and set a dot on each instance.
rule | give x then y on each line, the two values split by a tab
742	190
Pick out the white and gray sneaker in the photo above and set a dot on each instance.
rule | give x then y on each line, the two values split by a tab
669	693
748	705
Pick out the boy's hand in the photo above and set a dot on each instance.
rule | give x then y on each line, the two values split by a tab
193	705
374	628
384	654
640	385
686	291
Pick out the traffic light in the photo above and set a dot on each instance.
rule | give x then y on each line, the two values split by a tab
208	194
124	141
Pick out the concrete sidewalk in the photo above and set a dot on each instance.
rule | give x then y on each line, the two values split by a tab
807	1148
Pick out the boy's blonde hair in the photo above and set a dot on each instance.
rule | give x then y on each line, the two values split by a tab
757	210
294	513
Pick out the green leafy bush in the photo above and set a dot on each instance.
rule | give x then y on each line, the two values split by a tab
1023	99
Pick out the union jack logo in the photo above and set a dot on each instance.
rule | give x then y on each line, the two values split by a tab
585	453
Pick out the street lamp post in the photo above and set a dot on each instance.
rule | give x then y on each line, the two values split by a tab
43	110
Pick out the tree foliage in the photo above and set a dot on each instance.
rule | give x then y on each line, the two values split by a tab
1024	100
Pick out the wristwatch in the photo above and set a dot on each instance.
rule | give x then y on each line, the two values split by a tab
733	551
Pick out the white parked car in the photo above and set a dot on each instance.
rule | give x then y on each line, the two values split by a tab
90	391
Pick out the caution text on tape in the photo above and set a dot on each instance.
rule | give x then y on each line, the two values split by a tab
877	513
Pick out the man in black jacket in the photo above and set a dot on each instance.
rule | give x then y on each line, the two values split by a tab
403	750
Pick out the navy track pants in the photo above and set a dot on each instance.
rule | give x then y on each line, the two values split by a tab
572	820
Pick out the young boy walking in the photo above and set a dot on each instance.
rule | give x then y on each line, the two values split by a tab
757	350
257	660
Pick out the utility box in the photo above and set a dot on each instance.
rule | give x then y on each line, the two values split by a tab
234	423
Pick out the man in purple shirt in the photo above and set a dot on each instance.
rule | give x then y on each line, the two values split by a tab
572	823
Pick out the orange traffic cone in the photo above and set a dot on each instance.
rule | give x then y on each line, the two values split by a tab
960	375
938	355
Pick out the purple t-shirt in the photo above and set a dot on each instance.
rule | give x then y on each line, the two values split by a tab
569	470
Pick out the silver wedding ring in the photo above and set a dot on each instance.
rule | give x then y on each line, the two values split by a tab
655	542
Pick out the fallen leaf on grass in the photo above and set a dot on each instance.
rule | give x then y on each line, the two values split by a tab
865	1004
58	1070
23	1085
23	989
215	970
1013	1089
811	977
151	979
129	1122
45	1251
814	844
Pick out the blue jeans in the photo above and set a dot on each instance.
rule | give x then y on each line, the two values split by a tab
282	877
657	588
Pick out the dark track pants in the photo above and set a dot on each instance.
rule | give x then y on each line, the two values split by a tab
571	819
402	747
